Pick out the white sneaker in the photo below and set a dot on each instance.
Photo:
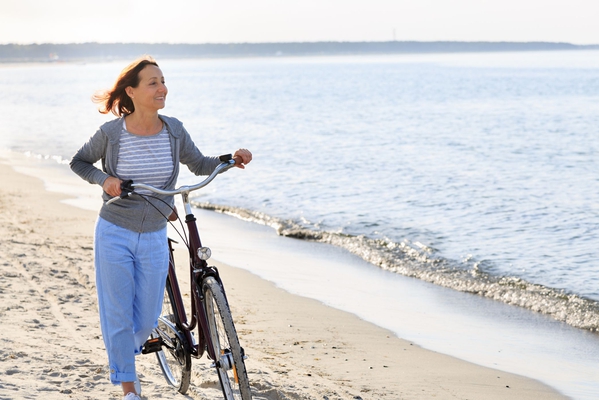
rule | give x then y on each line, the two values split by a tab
131	396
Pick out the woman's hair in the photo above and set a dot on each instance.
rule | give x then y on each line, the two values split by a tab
116	99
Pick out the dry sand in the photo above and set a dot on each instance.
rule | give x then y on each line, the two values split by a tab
298	348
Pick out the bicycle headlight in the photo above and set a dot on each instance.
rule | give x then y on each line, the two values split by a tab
204	253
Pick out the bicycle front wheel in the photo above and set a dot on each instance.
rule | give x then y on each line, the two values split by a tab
230	366
174	357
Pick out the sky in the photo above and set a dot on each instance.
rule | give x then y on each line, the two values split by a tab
253	21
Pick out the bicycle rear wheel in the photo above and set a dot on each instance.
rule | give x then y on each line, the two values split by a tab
230	367
174	358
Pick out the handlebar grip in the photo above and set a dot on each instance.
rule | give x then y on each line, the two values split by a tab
225	157
126	188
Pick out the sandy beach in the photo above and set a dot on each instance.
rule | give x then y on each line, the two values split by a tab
297	347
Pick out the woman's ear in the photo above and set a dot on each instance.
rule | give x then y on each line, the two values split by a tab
129	91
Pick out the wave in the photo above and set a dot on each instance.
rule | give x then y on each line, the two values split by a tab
416	260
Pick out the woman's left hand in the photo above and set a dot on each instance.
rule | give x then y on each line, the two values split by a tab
242	157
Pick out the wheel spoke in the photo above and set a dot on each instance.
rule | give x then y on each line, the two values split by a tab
230	367
174	358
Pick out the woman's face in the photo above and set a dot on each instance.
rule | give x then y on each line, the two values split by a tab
151	92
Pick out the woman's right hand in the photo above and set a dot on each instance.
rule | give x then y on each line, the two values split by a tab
112	186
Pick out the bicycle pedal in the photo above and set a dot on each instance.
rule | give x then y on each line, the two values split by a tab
152	345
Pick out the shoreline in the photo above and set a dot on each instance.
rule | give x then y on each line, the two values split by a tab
299	348
77	52
35	62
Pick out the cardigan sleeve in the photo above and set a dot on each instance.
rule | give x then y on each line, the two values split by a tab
191	156
91	152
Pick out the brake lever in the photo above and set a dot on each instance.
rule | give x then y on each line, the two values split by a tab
126	189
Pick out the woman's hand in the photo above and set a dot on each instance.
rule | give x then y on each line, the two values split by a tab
174	215
242	157
112	186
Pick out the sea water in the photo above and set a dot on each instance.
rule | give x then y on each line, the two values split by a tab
474	172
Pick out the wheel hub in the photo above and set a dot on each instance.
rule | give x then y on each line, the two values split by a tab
226	361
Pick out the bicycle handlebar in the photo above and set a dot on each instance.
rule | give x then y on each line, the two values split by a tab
128	187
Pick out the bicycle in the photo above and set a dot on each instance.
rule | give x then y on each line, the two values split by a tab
173	340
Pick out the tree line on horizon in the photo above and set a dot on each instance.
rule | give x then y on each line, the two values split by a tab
107	51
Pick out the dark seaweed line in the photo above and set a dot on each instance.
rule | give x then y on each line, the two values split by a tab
416	261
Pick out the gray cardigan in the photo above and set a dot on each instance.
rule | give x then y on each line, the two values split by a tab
134	213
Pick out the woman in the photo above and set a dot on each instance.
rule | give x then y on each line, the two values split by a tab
131	253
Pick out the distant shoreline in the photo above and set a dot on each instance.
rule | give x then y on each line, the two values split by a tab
49	52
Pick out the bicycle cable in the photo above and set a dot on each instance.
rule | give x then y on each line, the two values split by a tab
183	235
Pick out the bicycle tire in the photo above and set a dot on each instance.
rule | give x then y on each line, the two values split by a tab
231	366
174	357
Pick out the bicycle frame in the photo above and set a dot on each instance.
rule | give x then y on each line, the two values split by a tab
198	268
210	313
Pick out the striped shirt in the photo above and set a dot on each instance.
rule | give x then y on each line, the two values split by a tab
145	159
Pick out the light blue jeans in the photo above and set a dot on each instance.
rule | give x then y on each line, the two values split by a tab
131	271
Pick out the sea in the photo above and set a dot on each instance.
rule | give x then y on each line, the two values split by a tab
457	195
